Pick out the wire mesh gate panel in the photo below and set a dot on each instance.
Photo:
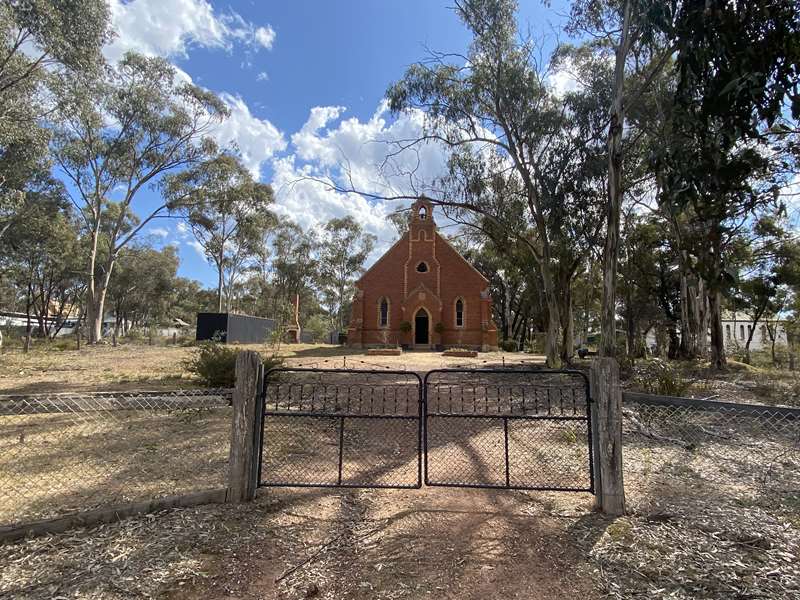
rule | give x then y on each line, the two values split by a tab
341	428
513	429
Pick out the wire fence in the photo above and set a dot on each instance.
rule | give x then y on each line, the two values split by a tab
64	453
685	450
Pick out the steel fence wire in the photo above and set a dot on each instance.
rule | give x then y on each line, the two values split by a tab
341	428
64	453
510	428
724	451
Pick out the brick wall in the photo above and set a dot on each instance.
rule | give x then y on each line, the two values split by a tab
448	276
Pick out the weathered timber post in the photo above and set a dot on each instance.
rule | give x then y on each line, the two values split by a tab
607	436
243	461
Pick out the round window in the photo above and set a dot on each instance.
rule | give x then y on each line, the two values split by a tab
422	268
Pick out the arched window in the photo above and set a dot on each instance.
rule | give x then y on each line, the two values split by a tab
383	313
741	332
749	329
763	334
422	267
423	213
459	313
728	332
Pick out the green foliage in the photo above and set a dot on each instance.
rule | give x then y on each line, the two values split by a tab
343	249
227	211
659	377
124	130
439	328
509	345
214	364
405	327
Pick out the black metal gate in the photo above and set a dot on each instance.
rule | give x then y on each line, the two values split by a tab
512	429
341	428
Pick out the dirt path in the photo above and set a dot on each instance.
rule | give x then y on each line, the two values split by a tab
432	543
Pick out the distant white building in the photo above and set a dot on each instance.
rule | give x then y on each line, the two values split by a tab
737	327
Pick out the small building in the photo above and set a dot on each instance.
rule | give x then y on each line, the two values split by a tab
422	294
231	328
736	329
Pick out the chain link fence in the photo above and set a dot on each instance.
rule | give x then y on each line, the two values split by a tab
64	453
711	450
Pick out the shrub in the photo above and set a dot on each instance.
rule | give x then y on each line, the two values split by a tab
215	364
659	377
438	328
405	327
509	345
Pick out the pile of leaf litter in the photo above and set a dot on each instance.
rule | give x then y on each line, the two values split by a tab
691	551
140	557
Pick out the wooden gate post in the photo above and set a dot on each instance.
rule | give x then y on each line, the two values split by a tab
607	436
243	460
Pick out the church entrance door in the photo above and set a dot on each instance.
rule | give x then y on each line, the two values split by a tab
421	328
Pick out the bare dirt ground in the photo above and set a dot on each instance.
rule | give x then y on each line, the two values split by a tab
434	543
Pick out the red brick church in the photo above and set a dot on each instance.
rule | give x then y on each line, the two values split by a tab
422	294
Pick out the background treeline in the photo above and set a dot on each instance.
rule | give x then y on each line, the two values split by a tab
642	177
638	178
81	141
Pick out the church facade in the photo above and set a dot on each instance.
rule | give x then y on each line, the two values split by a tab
422	294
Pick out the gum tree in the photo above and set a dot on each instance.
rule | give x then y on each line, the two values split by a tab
114	136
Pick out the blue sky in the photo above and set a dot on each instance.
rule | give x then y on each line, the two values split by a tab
305	82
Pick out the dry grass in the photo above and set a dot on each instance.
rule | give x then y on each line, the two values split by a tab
55	464
131	367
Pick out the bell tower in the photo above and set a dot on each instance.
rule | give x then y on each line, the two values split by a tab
421	223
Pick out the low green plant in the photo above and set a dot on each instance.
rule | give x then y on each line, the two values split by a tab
214	364
509	345
659	377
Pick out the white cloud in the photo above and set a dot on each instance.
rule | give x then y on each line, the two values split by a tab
352	151
256	139
159	232
265	36
168	27
197	247
262	76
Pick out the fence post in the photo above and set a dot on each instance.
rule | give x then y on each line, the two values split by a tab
607	423
243	460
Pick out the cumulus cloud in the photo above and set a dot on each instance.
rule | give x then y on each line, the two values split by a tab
262	76
256	139
197	247
169	27
330	153
159	232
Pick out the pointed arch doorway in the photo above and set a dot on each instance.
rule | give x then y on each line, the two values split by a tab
422	330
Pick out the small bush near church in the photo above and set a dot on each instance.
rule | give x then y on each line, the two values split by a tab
509	345
214	364
659	377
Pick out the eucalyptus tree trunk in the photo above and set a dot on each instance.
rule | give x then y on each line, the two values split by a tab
552	337
718	359
614	205
567	328
703	318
